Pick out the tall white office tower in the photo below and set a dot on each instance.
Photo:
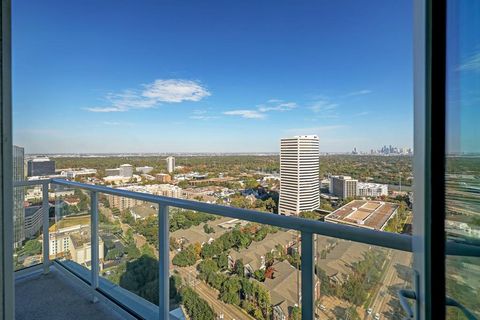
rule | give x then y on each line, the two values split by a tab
299	175
18	197
170	164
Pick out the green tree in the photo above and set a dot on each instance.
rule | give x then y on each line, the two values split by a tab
175	286
206	267
147	250
259	275
196	307
32	247
251	183
239	268
141	277
186	257
183	184
132	251
230	291
127	217
208	229
222	261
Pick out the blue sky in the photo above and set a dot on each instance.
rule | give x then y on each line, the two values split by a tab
211	76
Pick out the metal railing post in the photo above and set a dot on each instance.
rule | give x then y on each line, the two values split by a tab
46	226
308	276
94	241
164	261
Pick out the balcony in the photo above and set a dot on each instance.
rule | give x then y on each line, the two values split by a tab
67	298
75	286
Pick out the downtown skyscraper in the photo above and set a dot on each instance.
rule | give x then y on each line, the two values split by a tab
299	174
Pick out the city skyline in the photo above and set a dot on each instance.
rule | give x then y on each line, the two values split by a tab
385	150
224	83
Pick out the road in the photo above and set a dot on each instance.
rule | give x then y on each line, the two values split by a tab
210	295
391	278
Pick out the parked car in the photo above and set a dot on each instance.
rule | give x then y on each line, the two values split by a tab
369	311
377	316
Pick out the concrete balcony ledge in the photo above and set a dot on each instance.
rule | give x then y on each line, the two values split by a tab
56	296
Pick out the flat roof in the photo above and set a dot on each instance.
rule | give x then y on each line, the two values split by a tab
364	213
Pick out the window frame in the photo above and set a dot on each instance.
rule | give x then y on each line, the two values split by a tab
428	240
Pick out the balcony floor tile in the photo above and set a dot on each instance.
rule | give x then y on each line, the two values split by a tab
54	296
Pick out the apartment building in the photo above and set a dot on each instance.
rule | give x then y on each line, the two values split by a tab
166	190
33	221
73	242
40	167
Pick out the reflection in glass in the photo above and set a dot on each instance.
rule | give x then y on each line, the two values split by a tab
463	150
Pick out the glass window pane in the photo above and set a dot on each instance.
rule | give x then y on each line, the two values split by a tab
463	149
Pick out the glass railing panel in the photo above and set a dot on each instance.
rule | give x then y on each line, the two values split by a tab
70	232
28	226
233	269
359	281
128	229
463	281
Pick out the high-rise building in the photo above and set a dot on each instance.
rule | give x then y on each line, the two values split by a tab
299	175
343	186
18	196
40	167
126	170
170	164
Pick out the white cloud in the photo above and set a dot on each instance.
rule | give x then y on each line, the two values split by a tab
284	106
175	91
105	109
323	105
203	117
358	93
248	114
472	63
262	109
153	94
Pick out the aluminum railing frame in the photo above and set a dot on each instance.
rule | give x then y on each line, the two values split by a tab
306	227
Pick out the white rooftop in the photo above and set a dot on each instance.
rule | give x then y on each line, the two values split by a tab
43	159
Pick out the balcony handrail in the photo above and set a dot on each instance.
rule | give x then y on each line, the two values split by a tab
385	239
29	183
